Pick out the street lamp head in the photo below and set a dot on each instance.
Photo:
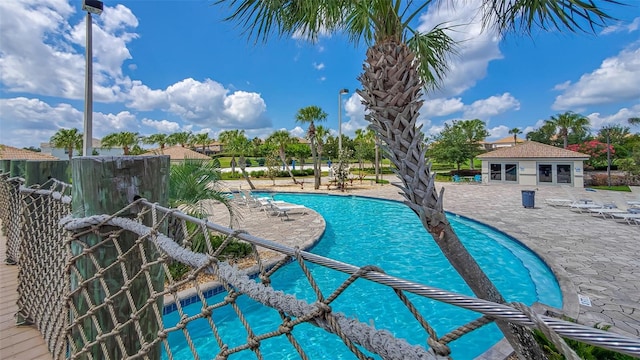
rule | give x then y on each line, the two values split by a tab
344	91
92	6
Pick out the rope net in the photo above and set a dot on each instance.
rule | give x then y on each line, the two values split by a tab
119	286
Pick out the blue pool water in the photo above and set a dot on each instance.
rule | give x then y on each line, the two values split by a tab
363	231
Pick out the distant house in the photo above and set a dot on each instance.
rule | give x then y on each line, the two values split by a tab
178	154
504	142
532	163
96	145
11	153
213	148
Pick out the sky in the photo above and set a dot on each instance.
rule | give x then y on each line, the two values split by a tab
167	66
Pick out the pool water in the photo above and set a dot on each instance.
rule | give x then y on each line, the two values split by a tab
363	231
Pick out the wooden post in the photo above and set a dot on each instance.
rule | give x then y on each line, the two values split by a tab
5	166
39	172
17	168
105	185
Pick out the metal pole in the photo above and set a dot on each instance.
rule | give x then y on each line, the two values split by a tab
87	136
608	158
339	123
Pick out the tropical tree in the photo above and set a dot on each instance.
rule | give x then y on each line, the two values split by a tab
227	138
321	138
400	62
364	146
450	146
546	134
281	139
515	132
160	139
474	131
634	120
201	139
301	152
125	139
179	138
68	139
569	122
310	115
239	145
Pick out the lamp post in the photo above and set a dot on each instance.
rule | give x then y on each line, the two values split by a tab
342	92
91	7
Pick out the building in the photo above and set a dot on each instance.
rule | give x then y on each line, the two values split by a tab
96	145
11	153
504	142
532	163
178	154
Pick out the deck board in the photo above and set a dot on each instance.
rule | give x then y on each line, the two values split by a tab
16	342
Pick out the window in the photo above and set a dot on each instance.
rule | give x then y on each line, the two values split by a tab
504	172
554	174
496	172
545	173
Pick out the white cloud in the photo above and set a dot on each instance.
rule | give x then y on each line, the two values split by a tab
442	106
32	121
622	27
478	45
615	80
318	66
491	106
43	53
104	124
599	121
298	132
498	132
162	126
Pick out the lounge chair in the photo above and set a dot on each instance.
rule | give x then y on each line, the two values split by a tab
629	218
284	209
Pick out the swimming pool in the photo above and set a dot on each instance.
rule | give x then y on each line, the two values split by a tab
363	231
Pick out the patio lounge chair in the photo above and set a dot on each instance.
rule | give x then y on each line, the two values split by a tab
284	209
629	218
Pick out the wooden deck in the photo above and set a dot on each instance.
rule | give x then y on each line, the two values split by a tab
16	342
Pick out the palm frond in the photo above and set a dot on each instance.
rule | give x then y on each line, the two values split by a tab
432	50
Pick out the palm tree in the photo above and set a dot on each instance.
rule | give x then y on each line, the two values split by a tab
160	139
202	139
634	120
569	122
475	131
321	138
400	63
125	139
179	138
311	114
236	143
515	132
281	139
68	139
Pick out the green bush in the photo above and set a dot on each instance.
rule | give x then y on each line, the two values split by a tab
261	161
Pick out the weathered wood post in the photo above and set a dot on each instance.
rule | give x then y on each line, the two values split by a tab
39	172
5	166
17	168
105	185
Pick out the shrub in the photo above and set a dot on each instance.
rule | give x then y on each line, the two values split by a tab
261	161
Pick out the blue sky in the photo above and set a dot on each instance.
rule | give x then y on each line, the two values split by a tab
167	66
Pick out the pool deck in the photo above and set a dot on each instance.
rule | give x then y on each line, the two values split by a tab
595	258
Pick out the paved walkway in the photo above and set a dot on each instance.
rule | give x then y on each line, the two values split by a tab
592	257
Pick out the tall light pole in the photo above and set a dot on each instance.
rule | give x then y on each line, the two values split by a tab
91	7
342	92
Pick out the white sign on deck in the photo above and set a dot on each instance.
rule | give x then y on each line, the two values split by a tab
584	300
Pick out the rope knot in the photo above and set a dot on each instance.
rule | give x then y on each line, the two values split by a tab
253	342
439	348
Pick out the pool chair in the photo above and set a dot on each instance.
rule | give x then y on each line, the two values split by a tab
605	212
456	179
629	218
284	209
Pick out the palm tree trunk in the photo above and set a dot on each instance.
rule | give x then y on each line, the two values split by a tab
244	173
392	92
316	167
283	157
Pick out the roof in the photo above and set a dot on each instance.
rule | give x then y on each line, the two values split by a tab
178	153
11	153
95	143
506	140
532	150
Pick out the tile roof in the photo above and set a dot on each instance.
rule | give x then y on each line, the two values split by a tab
507	140
178	153
532	150
11	153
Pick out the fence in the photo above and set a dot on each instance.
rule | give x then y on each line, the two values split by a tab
98	286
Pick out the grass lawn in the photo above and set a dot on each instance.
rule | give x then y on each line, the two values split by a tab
623	188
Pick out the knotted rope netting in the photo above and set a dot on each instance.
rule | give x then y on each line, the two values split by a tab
116	304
